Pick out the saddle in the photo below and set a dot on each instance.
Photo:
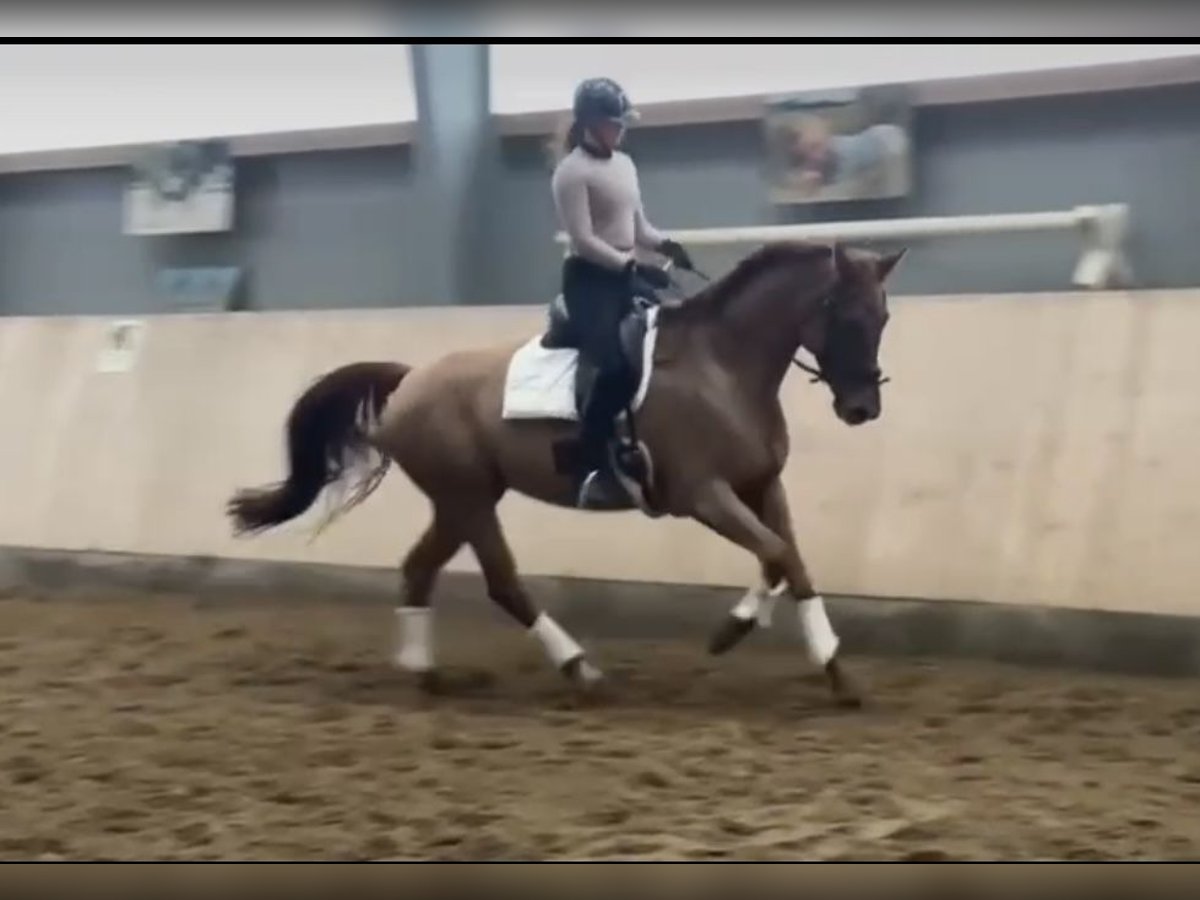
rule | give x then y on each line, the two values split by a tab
560	334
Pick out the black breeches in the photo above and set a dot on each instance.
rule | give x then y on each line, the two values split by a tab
597	299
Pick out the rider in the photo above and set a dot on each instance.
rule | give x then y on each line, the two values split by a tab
599	205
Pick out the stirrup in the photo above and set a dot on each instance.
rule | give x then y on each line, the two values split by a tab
633	466
603	490
632	461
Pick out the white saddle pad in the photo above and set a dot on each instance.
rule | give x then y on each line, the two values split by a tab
540	383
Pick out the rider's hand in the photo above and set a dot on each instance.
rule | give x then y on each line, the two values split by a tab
674	251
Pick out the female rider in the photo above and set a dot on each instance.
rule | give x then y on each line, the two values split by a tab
598	200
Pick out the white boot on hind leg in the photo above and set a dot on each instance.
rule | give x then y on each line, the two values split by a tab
414	640
563	650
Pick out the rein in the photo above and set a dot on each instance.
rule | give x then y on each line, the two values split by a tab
815	372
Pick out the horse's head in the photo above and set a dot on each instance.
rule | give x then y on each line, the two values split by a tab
845	335
829	300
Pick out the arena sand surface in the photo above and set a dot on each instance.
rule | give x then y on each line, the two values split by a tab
163	729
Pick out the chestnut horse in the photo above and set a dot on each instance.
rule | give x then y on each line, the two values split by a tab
711	422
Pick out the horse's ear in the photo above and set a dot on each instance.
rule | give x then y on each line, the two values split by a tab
841	264
887	262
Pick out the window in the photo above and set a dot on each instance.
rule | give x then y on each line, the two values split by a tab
530	78
56	97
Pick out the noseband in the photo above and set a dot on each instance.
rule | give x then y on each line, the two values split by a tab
876	377
847	372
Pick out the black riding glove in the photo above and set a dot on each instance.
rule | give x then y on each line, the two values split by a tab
674	251
651	275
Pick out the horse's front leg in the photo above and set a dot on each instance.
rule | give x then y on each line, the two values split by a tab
767	533
819	636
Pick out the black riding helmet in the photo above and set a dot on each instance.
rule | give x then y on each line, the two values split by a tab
602	99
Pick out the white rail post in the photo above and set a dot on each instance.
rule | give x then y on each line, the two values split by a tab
1103	263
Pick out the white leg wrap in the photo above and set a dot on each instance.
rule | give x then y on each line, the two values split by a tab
559	646
415	640
818	633
748	606
759	603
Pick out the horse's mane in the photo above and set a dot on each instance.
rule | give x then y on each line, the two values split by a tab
712	299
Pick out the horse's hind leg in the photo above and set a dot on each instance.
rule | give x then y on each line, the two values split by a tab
418	573
770	538
504	587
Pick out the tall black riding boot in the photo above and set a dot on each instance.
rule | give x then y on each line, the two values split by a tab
599	488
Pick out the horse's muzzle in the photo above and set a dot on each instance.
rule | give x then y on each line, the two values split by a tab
856	412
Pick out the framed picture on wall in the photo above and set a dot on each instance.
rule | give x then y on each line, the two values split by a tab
843	145
181	187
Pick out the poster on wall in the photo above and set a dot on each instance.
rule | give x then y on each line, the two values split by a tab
183	187
839	145
122	346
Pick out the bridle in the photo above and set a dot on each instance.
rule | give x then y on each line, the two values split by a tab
852	375
874	377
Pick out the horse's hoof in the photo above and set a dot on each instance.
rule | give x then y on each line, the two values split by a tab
430	682
848	700
845	693
589	682
583	673
730	634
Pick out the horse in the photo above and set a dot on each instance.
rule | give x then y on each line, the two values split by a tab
709	421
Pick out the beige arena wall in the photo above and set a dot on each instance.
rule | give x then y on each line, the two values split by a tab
1033	449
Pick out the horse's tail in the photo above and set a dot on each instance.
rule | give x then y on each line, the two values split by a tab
326	439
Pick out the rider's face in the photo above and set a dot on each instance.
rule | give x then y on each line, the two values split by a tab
609	134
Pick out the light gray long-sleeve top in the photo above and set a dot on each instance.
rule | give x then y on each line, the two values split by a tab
599	206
